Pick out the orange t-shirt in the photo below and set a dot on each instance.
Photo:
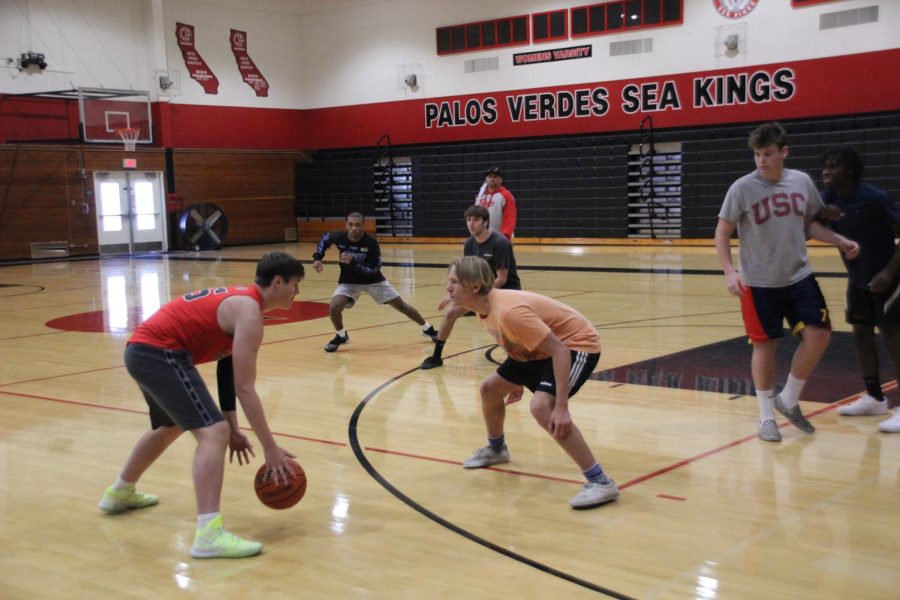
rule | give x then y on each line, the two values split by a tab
520	321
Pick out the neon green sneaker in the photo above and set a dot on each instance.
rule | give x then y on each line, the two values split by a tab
214	541
114	501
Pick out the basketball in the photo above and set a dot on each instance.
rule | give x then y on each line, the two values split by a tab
282	495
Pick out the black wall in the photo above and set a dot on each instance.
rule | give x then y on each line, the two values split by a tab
576	186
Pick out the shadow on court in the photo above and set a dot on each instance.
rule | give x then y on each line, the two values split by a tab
724	367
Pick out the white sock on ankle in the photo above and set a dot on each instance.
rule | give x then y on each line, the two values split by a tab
765	404
121	484
204	519
790	395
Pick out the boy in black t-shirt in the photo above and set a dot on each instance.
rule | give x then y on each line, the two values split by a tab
360	263
498	252
865	213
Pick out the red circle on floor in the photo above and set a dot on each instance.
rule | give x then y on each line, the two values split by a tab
98	321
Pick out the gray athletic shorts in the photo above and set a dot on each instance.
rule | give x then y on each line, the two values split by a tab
172	387
381	292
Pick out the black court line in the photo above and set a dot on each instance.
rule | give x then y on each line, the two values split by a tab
361	457
571	269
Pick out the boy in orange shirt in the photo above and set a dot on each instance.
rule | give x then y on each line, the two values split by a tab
546	341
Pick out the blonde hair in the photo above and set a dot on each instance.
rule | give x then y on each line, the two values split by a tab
472	271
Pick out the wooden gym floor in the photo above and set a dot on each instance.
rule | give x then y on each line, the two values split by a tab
707	510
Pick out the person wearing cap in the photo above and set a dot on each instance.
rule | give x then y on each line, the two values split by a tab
499	202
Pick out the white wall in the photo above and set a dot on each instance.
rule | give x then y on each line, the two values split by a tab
340	52
357	63
86	44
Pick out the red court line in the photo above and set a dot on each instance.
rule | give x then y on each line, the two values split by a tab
687	461
62	375
662	471
459	463
144	412
668	497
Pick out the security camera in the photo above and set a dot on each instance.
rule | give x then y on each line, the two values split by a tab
29	59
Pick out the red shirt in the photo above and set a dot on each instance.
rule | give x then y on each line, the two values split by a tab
191	323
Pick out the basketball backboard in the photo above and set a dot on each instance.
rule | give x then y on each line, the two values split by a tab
104	111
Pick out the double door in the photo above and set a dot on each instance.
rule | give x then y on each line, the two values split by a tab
130	212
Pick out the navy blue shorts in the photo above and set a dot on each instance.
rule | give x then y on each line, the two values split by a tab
865	307
172	387
537	375
765	309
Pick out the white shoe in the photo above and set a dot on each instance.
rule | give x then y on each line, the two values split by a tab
891	425
865	405
485	457
594	494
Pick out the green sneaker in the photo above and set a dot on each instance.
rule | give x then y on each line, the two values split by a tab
118	501
214	541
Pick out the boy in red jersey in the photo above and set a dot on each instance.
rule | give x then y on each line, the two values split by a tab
205	325
499	202
552	351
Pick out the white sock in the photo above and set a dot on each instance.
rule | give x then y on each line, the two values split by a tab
765	404
204	519
791	392
121	484
342	333
426	326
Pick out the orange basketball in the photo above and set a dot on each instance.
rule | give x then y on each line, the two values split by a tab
283	495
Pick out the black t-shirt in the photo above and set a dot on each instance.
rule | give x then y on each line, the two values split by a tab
366	265
868	218
498	252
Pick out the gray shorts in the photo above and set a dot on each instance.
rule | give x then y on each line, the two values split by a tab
172	387
381	292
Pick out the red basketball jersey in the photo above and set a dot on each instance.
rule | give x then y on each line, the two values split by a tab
191	323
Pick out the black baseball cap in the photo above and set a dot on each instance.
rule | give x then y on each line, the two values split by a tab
494	171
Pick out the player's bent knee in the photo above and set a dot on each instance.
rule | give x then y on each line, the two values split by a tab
816	336
492	389
216	433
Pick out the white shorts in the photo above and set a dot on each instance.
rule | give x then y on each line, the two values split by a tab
381	292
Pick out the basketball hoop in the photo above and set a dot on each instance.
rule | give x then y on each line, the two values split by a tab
129	137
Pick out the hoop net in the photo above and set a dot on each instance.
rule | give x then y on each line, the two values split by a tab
129	137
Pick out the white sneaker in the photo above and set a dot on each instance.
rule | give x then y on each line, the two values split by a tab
485	457
891	425
594	494
865	405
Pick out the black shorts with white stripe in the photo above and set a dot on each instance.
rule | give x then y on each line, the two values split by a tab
537	375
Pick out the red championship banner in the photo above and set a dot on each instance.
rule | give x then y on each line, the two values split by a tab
193	61
249	72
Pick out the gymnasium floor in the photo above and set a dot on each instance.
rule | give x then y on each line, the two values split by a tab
707	510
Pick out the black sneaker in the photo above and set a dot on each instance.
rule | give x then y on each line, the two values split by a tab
337	341
432	362
431	332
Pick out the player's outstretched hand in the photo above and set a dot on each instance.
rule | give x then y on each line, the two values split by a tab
277	466
444	302
318	267
514	396
831	212
849	248
560	423
734	284
239	445
882	281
